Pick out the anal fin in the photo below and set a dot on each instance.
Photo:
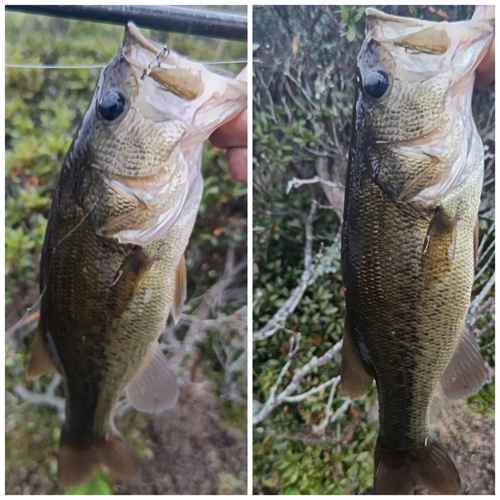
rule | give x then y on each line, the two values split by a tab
180	289
154	387
467	371
40	360
355	381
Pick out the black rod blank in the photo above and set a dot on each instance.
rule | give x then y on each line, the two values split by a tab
189	21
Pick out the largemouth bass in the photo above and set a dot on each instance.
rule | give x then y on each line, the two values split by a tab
112	264
409	237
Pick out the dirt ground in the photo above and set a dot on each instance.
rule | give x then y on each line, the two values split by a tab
193	453
470	440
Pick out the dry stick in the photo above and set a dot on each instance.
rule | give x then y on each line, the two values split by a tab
483	330
485	267
294	183
334	194
334	381
331	417
477	308
480	254
274	401
47	398
481	295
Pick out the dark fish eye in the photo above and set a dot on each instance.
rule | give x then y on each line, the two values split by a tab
376	84
112	105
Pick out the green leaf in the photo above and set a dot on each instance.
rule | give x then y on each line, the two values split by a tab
96	486
351	33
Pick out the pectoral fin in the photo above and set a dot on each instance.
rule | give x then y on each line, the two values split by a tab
40	360
180	287
467	371
154	387
439	246
355	381
128	280
476	241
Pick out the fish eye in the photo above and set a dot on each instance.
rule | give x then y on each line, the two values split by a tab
112	105
376	84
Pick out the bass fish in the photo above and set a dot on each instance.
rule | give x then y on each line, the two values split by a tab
112	265
409	238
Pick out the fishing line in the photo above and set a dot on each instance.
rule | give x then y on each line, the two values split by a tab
102	65
55	66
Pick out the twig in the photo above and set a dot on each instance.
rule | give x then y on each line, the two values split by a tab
482	255
274	401
331	417
294	183
481	295
47	398
485	267
485	328
315	390
334	194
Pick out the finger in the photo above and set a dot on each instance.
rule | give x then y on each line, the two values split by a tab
237	162
232	134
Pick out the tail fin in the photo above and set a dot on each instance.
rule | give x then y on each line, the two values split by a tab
400	473
76	465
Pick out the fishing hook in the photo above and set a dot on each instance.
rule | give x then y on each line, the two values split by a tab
165	52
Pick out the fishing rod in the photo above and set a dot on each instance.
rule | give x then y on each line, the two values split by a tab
190	21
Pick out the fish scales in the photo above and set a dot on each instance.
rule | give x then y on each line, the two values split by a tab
413	191
112	266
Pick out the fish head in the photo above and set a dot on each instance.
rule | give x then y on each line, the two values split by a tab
415	80
151	112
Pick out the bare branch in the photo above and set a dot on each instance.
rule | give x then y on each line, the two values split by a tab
482	294
335	194
47	398
331	416
488	262
485	328
294	183
274	401
315	390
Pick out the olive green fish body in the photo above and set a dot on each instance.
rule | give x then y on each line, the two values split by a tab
79	310
413	191
112	265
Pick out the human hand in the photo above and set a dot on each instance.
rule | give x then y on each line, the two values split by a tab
233	137
485	72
